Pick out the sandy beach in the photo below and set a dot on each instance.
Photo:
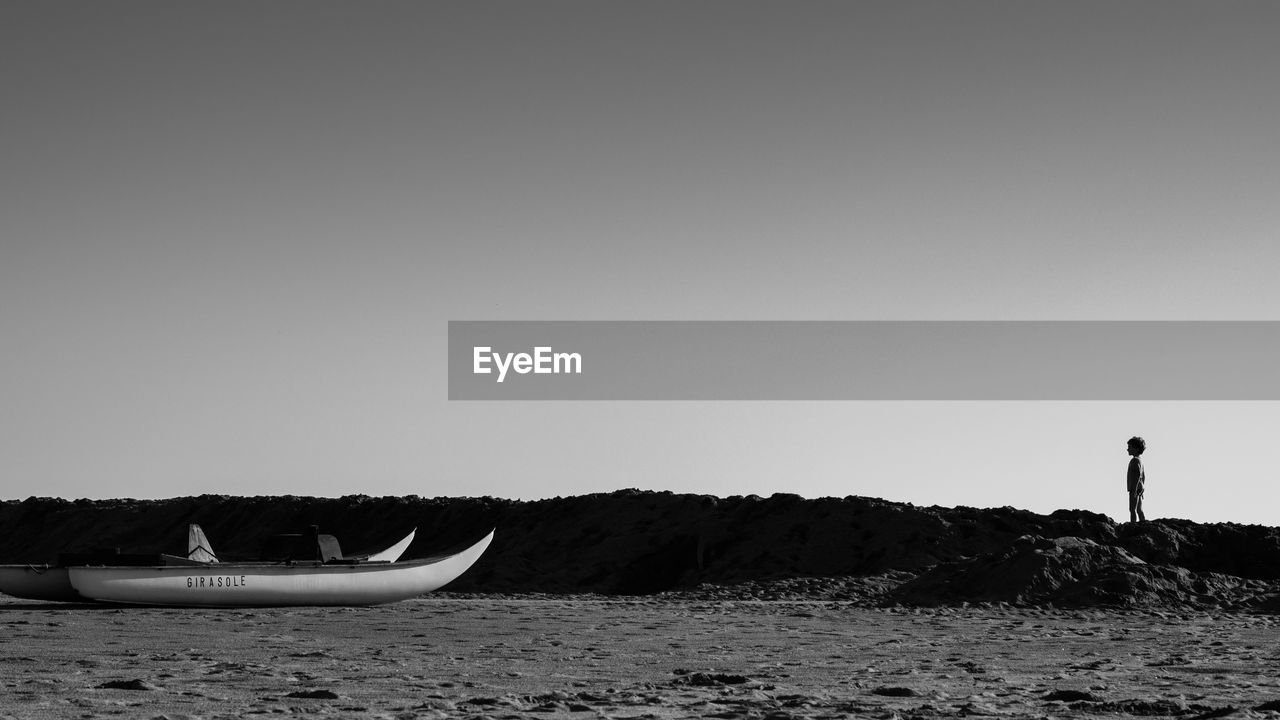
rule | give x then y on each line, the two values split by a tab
501	657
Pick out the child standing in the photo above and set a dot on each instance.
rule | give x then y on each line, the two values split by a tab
1137	479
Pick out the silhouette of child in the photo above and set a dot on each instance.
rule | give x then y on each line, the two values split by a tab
1137	479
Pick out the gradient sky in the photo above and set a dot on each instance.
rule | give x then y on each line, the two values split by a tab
231	236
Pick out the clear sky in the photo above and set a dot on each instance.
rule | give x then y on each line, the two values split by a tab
232	234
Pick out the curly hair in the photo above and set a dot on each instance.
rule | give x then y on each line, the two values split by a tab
1138	443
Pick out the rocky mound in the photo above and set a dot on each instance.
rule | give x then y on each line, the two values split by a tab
634	542
1067	571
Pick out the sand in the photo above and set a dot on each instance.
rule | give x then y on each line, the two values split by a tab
589	657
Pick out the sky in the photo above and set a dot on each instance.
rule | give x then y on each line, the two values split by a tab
232	236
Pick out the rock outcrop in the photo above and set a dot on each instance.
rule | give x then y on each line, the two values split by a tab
640	542
1066	571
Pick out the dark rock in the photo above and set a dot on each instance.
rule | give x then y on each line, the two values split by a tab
1249	551
855	549
1067	571
313	695
1216	713
126	685
895	692
701	679
1146	708
1071	696
626	542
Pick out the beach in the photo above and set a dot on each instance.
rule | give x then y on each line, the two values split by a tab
589	656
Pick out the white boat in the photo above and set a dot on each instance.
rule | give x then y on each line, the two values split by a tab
394	552
257	584
53	583
38	582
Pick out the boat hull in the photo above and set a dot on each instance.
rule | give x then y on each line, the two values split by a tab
38	582
272	584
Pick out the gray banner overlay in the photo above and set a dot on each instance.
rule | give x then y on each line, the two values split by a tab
864	360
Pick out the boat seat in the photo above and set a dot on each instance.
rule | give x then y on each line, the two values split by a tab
328	547
302	547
